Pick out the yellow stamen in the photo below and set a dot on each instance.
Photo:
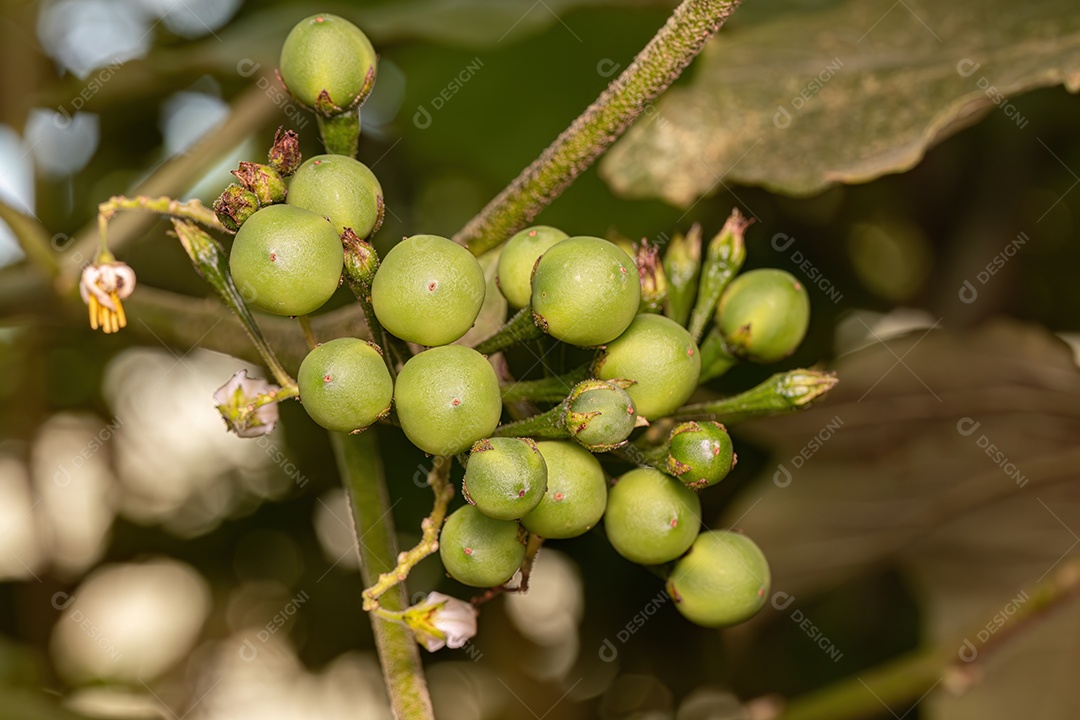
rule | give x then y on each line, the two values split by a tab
122	319
93	313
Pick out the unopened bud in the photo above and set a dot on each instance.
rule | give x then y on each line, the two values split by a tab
654	286
284	155
235	205
361	260
262	180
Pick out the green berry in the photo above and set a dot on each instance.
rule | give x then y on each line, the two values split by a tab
763	315
662	359
480	551
722	581
447	398
344	385
600	415
428	290
286	260
328	54
576	493
518	258
700	454
342	190
585	291
505	477
651	518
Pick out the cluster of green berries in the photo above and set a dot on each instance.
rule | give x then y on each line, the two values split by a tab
303	227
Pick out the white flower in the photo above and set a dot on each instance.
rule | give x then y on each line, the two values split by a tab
248	405
441	620
102	286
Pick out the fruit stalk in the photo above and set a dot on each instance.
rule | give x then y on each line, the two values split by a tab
340	133
780	394
658	65
547	426
211	263
723	260
362	474
549	389
439	480
715	357
518	329
682	266
914	675
191	210
361	264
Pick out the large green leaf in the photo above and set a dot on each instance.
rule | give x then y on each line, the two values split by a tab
797	98
955	457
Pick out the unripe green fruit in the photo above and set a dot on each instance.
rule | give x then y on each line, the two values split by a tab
576	492
723	580
505	477
651	517
344	385
480	551
428	290
600	415
763	315
518	258
447	398
342	190
327	53
661	357
585	291
700	454
286	260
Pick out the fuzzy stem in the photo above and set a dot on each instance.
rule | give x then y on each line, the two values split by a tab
340	133
716	359
653	70
909	677
549	389
439	480
191	210
362	473
548	426
780	394
518	329
309	334
361	264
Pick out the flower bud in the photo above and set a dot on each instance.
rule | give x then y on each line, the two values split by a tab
654	286
235	205
700	454
361	261
269	187
248	405
440	620
284	155
600	415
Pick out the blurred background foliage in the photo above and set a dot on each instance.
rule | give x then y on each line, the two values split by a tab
154	566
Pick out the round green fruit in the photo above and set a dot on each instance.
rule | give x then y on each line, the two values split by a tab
700	454
428	290
585	291
763	315
340	189
518	258
344	385
600	415
651	517
576	493
480	551
722	581
505	477
661	357
286	260
328	53
447	398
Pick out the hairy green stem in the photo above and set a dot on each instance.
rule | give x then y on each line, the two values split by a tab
658	65
548	389
340	133
549	425
911	676
780	394
192	210
439	480
518	329
362	473
715	357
